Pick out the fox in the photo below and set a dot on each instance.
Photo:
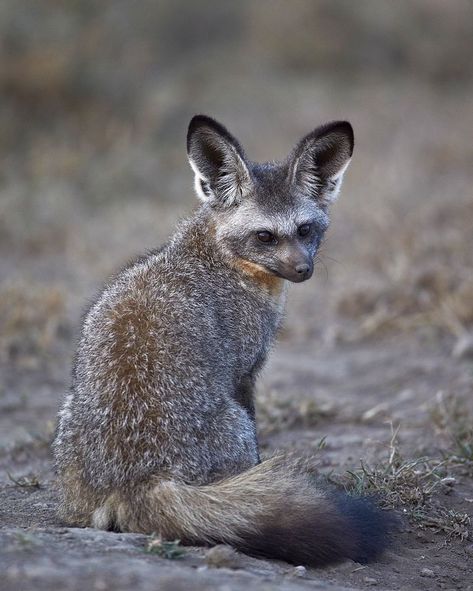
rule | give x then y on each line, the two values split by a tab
158	431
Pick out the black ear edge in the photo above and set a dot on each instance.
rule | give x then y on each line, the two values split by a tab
204	121
343	127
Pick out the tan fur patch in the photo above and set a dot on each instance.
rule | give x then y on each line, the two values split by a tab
78	500
260	275
223	511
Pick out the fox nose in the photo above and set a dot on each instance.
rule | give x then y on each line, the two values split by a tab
302	268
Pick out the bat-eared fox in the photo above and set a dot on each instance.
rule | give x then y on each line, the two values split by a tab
158	431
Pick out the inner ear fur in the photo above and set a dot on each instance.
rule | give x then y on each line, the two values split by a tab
218	161
320	159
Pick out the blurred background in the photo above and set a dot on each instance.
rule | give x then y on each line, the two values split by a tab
95	101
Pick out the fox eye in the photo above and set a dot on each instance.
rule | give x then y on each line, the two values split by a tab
303	230
265	236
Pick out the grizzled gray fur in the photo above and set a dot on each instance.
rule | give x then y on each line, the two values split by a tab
158	432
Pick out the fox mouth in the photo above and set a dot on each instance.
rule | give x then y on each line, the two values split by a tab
290	272
292	275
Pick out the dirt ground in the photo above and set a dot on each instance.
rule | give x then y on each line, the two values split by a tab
373	371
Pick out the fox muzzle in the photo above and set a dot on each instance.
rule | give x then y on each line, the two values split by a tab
296	272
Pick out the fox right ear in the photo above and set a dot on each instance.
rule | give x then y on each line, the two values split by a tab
218	162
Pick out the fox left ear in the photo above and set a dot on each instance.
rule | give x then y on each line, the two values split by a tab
320	159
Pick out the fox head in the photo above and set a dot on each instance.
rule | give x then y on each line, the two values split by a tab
272	215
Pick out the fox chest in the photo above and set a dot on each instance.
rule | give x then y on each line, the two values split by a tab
251	327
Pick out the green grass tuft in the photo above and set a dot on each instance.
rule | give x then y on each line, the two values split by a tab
171	550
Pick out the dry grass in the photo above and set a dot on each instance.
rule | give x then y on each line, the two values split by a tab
412	485
420	276
25	481
454	420
453	524
400	482
32	316
275	414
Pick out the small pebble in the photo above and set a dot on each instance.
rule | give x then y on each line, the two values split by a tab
449	481
427	572
299	571
223	556
370	581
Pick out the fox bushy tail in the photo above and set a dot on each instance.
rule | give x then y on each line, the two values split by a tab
273	510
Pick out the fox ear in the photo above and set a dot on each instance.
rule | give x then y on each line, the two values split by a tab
218	161
320	159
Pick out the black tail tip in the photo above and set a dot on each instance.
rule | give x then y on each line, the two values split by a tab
333	528
370	527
